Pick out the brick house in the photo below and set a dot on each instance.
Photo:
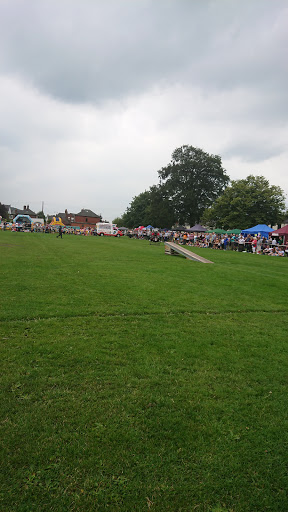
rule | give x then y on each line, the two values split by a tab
84	219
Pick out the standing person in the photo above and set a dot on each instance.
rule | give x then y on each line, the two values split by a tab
212	240
248	243
241	243
259	245
59	232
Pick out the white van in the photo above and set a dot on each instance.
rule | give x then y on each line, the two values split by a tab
107	229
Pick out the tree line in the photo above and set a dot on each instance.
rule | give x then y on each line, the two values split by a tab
194	187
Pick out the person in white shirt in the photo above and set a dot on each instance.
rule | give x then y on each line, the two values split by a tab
241	243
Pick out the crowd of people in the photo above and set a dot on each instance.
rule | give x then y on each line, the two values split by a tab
48	228
257	244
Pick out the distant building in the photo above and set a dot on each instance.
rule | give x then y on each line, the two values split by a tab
84	219
13	212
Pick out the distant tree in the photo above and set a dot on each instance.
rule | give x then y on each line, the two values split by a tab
136	213
245	203
4	212
151	207
160	211
41	215
285	216
193	180
118	221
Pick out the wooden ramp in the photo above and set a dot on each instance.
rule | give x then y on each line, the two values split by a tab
172	248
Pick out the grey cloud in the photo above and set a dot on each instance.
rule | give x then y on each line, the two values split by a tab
93	51
253	151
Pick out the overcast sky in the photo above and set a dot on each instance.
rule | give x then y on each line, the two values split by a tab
97	94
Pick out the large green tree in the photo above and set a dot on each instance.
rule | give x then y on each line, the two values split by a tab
3	212
245	203
135	214
192	180
150	207
118	221
160	211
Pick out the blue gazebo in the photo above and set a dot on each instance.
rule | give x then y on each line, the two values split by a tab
261	229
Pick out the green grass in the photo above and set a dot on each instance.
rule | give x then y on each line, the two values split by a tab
135	381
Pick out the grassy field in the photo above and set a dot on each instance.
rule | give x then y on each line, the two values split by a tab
136	381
